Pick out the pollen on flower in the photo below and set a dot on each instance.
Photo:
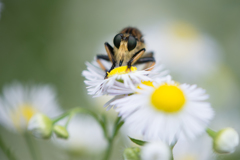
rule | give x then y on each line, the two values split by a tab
147	83
27	111
24	111
121	70
168	98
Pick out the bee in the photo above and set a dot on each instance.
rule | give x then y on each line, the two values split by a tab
129	49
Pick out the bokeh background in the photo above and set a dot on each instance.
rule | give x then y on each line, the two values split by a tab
48	42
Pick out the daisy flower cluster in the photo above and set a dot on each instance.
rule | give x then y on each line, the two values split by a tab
152	104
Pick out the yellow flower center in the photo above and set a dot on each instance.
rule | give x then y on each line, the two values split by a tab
27	111
184	30
168	98
147	83
24	111
121	70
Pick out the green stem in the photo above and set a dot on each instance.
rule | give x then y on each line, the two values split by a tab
31	148
74	111
171	147
109	149
6	150
69	119
117	126
211	133
102	122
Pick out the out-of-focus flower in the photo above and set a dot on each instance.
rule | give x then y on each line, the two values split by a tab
225	141
98	102
131	153
179	110
40	126
197	149
156	151
85	136
19	103
119	78
187	52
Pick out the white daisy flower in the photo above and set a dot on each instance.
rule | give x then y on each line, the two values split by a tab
85	136
119	80
180	45
19	103
166	111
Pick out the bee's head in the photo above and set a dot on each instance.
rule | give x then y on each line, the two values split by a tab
123	40
124	44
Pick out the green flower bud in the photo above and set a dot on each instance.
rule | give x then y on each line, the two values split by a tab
61	131
40	126
131	153
225	141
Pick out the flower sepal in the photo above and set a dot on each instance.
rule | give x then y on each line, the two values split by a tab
40	126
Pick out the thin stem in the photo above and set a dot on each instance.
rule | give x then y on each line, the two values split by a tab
211	133
69	119
72	112
109	149
117	126
171	147
31	148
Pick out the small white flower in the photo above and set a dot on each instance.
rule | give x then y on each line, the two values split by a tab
226	141
41	126
19	103
85	136
156	151
119	80
166	111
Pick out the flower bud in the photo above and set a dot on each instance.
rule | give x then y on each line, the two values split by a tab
131	153
40	126
156	151
61	131
225	141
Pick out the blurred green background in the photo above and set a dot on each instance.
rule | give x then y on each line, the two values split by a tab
49	41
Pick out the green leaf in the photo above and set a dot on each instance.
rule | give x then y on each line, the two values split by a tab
137	141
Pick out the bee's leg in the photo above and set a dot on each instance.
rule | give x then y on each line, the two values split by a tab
135	57
110	53
109	50
104	57
149	54
147	60
113	66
